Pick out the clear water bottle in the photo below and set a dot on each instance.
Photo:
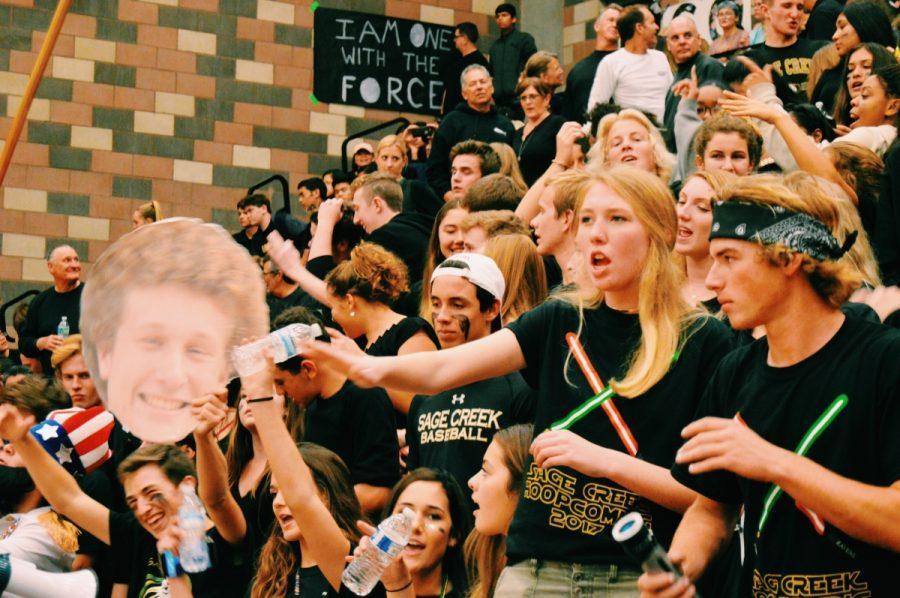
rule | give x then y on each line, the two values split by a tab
391	537
62	329
193	552
250	358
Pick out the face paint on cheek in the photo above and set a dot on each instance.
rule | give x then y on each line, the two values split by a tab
464	325
161	501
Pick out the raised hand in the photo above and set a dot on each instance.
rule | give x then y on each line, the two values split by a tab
757	75
330	212
565	143
739	105
13	424
687	88
209	411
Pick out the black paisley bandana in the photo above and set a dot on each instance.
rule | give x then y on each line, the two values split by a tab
774	224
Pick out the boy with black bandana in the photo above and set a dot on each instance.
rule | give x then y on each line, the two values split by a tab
452	430
800	427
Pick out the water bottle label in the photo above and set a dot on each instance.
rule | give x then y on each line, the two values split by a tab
385	544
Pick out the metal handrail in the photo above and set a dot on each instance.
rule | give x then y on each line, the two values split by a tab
399	120
9	304
285	194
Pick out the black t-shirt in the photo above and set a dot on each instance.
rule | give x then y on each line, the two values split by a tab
887	233
452	72
406	235
578	85
418	197
145	576
827	88
287	226
791	62
358	425
562	514
862	363
452	430
538	149
44	314
297	297
256	507
389	343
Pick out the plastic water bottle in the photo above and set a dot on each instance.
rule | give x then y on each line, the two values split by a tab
63	328
193	552
249	359
389	539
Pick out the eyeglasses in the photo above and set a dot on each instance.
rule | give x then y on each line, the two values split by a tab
529	98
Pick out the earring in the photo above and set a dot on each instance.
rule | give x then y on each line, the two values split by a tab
352	314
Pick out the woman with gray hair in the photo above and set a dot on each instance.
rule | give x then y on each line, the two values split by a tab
728	16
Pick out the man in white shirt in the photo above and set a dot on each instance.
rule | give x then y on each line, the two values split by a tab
635	76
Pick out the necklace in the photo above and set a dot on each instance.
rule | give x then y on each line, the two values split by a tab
297	583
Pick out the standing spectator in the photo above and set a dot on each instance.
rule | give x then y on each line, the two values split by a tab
822	17
464	38
683	42
758	33
581	77
470	162
442	431
789	55
377	206
545	66
72	373
476	119
508	55
39	336
635	76
535	142
733	36
256	218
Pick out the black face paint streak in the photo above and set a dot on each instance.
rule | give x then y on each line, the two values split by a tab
464	325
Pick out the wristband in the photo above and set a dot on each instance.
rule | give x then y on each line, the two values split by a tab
259	400
171	565
409	583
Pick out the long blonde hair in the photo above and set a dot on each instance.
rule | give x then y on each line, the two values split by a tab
663	313
524	273
598	156
509	164
485	555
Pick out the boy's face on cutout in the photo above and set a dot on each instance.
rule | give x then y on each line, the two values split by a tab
170	348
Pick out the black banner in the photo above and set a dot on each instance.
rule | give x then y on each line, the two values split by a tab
379	62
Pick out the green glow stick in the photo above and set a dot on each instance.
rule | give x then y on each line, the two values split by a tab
818	426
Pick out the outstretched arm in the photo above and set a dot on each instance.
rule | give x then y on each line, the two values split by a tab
429	372
56	485
287	257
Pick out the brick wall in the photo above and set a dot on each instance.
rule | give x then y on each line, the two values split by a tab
184	101
578	30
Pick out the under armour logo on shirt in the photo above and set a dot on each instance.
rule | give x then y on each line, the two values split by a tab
458	399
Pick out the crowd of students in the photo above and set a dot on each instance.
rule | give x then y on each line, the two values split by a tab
668	289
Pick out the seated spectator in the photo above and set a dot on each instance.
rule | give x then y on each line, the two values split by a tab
19	314
729	144
311	193
470	161
355	423
340	185
72	373
629	138
476	119
861	62
377	207
362	157
535	142
146	213
282	291
466	293
637	75
478	227
509	164
523	269
493	192
258	222
862	169
391	158
39	336
545	67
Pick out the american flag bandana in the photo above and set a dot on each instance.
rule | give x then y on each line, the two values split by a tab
77	438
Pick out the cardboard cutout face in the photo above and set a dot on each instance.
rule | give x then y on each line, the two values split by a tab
160	314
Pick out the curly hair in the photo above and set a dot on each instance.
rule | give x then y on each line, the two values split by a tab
372	273
833	281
